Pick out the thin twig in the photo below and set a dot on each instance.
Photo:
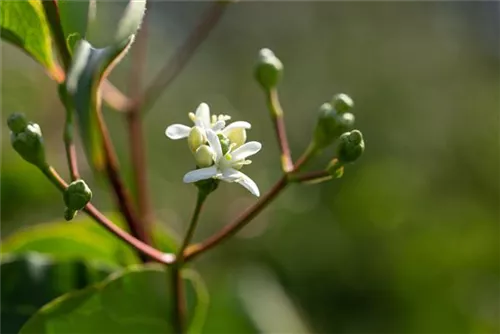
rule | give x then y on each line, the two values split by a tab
311	177
148	251
192	225
240	222
183	54
279	127
135	130
121	193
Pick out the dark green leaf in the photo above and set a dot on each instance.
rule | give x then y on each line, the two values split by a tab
135	301
82	239
23	24
74	19
90	66
30	281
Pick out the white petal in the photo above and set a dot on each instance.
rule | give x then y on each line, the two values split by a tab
214	142
232	175
200	174
203	115
219	125
177	131
235	125
246	150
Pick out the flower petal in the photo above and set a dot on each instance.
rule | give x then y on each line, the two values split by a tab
246	150
177	131
232	175
214	142
203	115
235	125
219	125
200	174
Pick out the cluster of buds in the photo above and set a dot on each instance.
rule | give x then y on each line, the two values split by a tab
26	138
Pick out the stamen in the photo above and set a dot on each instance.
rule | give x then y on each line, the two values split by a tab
192	116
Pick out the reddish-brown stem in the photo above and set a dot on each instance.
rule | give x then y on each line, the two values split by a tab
183	54
135	129
240	222
146	250
279	126
72	160
179	301
52	14
122	196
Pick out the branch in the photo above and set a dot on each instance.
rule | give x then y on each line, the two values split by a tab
279	127
135	129
183	54
148	251
240	222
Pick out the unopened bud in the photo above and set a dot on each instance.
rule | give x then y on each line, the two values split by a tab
26	139
268	70
76	197
342	103
351	146
195	138
204	156
331	124
237	136
17	122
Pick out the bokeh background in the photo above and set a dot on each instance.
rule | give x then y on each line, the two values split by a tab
406	242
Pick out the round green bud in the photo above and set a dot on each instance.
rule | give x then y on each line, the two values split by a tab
204	156
29	144
196	138
342	103
351	146
77	195
69	214
17	122
268	70
330	125
225	143
237	136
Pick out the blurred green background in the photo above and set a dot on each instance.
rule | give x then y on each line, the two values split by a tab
406	242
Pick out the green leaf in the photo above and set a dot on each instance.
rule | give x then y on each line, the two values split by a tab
135	301
202	301
89	68
74	17
30	281
83	239
23	24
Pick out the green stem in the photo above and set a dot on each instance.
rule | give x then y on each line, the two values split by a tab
274	106
194	222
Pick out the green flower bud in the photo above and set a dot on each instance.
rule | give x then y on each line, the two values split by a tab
195	138
237	136
17	122
342	103
27	141
204	156
268	70
76	196
225	143
330	125
351	146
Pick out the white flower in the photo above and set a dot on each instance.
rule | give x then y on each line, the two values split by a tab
226	166
201	119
